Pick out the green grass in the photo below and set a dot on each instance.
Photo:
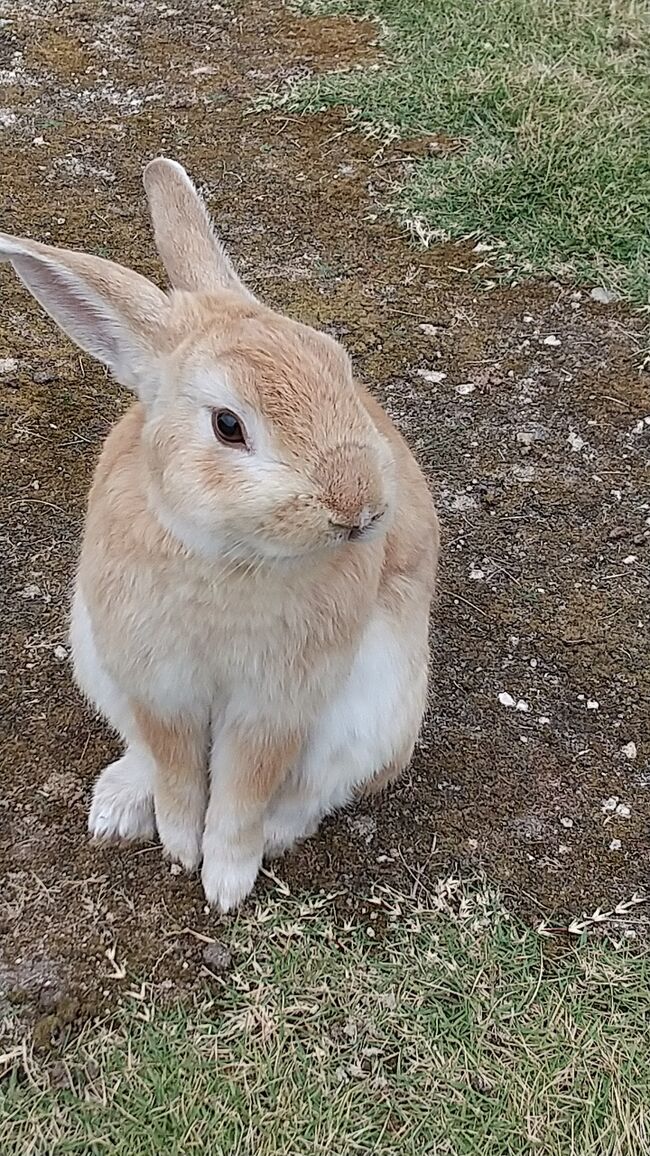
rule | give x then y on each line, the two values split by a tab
437	1028
551	104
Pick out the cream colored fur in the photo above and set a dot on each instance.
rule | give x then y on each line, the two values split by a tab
251	619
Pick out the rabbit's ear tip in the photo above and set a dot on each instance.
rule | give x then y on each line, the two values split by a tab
161	167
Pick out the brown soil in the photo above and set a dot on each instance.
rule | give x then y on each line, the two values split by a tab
557	528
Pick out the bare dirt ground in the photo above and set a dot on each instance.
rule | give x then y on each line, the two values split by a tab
533	440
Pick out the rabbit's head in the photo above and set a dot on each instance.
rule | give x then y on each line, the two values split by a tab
256	440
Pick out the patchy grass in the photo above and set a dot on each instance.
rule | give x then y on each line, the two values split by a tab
546	106
440	1027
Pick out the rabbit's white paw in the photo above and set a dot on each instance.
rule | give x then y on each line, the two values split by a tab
228	877
122	802
181	839
289	823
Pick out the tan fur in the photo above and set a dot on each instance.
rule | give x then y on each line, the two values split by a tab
180	749
220	586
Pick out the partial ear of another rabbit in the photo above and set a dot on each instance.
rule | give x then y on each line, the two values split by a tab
258	562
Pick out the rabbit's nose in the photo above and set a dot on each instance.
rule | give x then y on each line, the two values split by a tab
362	526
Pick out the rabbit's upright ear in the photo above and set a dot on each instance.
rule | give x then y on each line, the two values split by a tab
112	313
191	252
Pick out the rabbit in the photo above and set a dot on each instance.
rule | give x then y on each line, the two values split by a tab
251	605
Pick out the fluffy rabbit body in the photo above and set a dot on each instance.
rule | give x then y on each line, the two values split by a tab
252	599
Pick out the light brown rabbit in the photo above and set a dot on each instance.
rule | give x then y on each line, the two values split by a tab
253	593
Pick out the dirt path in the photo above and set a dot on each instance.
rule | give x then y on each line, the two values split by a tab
539	474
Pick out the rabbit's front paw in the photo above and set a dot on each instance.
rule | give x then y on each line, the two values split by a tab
122	802
181	839
228	875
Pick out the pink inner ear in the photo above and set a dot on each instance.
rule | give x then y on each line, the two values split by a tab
72	305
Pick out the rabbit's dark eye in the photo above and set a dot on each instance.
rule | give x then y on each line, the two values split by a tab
228	428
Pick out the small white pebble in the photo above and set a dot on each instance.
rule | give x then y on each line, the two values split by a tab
38	140
533	664
433	376
615	845
575	441
60	653
506	699
610	805
544	720
8	365
592	704
430	330
602	295
623	810
472	844
552	340
563	849
630	560
175	868
629	750
528	318
566	821
465	388
476	575
31	591
522	706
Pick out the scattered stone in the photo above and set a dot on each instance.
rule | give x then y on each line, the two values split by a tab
522	706
430	330
592	704
465	388
42	376
566	821
30	592
8	365
175	869
524	473
506	699
575	441
629	750
630	560
7	118
602	295
463	502
60	653
476	575
552	340
615	845
623	810
641	425
217	956
363	826
433	376
544	720
610	805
